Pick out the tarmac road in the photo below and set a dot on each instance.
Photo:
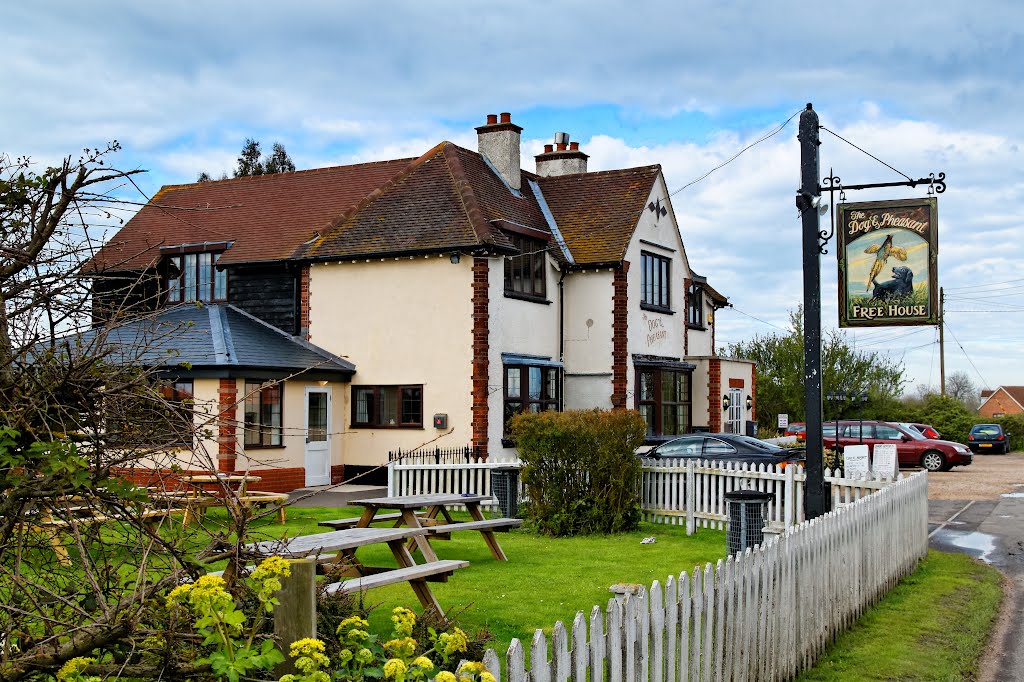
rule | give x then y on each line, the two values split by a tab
990	528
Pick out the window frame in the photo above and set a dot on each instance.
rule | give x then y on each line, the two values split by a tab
375	420
655	406
533	255
259	388
655	282
544	401
202	275
695	307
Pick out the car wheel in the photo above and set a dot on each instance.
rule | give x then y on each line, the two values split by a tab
1006	448
933	461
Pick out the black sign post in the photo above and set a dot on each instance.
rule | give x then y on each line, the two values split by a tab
807	201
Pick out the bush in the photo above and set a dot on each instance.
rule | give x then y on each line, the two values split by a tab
581	472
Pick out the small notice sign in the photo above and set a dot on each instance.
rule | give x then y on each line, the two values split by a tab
855	461
783	421
884	462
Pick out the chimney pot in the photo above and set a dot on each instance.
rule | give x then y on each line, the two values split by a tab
506	117
562	146
492	119
548	148
574	146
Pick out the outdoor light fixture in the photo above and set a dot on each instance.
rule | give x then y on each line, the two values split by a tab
454	258
750	403
725	401
807	201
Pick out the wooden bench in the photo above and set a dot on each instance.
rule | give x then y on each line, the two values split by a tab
499	525
259	498
149	517
351	521
433	571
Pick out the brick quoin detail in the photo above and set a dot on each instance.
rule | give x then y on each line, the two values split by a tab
304	303
227	434
620	314
715	394
480	348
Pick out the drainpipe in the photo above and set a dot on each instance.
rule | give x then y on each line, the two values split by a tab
561	315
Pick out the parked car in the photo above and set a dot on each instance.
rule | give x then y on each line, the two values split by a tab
988	438
725	447
798	429
912	448
927	431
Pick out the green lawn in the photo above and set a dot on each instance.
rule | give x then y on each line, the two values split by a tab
932	626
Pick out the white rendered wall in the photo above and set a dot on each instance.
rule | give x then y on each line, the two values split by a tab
405	321
588	339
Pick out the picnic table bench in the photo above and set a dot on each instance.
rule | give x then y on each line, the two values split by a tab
437	506
362	577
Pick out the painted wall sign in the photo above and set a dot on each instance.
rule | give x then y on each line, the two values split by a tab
888	255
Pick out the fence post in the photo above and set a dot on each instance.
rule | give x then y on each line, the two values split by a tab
789	496
295	616
691	494
392	483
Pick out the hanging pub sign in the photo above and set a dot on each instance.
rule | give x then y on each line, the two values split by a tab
888	253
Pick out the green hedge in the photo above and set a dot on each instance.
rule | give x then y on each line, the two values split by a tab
580	470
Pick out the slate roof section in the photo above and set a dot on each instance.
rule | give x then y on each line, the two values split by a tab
449	198
598	212
218	340
267	216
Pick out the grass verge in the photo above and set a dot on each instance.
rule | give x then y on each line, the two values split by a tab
933	626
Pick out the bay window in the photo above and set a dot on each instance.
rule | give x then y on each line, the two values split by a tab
664	397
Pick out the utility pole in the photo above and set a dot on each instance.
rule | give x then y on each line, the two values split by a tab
808	200
942	345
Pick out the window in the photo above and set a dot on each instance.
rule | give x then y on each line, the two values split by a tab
195	277
663	398
163	419
524	274
654	281
883	432
263	410
387	406
695	307
531	388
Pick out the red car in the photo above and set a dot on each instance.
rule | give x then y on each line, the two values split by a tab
927	431
798	429
912	448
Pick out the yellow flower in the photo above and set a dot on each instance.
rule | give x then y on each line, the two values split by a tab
272	566
310	655
364	656
404	647
454	641
345	656
72	670
404	620
487	677
394	668
423	662
444	676
352	621
471	668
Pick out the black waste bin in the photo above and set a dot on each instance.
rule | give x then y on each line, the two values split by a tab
752	429
746	510
505	487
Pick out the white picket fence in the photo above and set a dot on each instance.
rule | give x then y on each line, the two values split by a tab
765	614
665	487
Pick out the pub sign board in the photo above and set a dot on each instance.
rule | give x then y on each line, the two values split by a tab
888	255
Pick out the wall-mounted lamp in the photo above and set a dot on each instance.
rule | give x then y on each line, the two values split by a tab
750	403
725	402
454	258
808	201
323	382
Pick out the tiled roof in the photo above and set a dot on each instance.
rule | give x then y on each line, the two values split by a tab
1015	392
214	336
597	212
267	217
448	198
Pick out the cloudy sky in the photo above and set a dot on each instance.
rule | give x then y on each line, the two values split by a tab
926	87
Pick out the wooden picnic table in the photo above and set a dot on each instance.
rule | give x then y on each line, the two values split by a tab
196	498
437	505
346	542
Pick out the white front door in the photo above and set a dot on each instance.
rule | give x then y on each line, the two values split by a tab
318	436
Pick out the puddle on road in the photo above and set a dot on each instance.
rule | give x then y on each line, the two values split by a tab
1015	496
978	545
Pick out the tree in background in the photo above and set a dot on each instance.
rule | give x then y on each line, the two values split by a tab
960	387
780	373
251	162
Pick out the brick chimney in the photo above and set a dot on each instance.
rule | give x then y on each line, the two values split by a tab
561	158
498	140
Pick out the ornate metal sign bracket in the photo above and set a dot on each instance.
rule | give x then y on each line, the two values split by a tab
936	185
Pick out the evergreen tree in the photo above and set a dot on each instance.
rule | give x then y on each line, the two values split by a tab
278	161
249	160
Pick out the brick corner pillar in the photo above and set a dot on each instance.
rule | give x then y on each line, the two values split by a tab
687	283
753	392
620	339
480	349
715	394
227	422
304	303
